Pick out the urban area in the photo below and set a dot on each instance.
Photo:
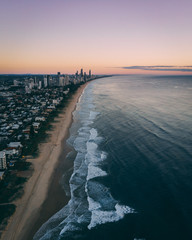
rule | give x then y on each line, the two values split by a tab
25	104
28	105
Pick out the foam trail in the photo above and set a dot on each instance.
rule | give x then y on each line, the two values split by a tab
100	213
91	203
101	217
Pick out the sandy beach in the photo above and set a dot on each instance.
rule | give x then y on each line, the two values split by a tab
43	196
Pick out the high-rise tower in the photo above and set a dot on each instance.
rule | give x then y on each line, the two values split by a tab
85	77
81	72
45	81
48	80
58	78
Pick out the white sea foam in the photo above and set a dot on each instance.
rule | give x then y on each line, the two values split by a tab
93	134
103	155
93	115
91	202
93	205
105	208
94	157
100	217
69	227
94	171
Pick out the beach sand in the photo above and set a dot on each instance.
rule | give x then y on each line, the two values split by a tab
43	195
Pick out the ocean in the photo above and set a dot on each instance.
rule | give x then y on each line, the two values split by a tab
132	175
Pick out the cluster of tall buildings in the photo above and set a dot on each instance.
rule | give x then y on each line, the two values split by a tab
59	80
83	76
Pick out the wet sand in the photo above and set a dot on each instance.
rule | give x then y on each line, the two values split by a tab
43	195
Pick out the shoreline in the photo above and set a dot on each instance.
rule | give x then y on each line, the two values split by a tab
43	195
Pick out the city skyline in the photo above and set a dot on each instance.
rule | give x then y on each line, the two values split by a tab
109	37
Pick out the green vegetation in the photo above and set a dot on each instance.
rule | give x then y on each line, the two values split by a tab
6	212
22	165
11	187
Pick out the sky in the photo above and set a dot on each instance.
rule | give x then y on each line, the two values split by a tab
107	36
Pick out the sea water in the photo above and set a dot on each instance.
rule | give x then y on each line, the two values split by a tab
132	175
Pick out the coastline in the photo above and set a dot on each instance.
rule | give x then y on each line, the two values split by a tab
43	196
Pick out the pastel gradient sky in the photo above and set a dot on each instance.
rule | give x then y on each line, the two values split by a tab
108	36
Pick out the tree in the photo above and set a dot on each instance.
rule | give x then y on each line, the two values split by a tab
32	131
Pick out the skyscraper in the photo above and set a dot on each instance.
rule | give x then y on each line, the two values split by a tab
81	72
45	81
89	73
58	78
61	81
85	76
48	80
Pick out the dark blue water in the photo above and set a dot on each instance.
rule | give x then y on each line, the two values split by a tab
132	175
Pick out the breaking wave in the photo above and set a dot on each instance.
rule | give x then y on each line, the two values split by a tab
91	202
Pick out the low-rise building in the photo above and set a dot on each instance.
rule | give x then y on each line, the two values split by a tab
36	125
15	126
11	153
41	119
15	145
55	101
